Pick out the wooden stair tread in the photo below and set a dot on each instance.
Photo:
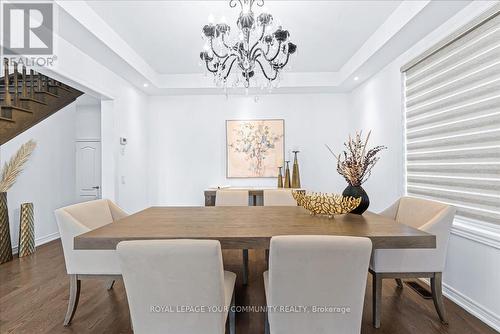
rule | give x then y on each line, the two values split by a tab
47	93
62	87
5	119
32	100
18	109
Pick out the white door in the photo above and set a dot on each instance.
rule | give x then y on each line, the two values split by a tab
88	170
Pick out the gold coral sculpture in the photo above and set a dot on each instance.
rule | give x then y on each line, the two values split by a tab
326	204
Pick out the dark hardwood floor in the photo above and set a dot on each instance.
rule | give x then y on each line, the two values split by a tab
34	296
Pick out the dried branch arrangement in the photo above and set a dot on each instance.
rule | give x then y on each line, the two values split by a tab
14	167
356	162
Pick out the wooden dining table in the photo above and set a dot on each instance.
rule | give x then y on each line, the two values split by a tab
250	227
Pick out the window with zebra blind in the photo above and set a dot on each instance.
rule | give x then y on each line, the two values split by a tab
452	112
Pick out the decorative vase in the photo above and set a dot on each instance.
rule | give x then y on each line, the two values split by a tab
280	177
26	230
295	175
358	192
5	245
287	175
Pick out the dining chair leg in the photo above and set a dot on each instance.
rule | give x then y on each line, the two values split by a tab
266	324
399	282
109	284
74	296
437	296
245	267
267	258
232	317
377	299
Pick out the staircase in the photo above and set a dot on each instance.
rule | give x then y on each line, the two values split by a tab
26	99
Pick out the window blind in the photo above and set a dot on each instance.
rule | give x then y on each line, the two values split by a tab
452	102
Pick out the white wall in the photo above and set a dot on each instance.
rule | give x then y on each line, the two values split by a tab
88	122
188	144
126	116
49	177
473	266
376	106
49	180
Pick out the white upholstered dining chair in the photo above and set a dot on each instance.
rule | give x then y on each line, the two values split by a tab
177	273
327	271
78	219
229	197
429	216
279	197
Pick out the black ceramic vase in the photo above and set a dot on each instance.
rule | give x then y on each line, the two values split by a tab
358	192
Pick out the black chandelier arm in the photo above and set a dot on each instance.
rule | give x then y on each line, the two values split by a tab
267	53
277	53
223	38
280	66
208	67
257	54
229	70
259	40
233	3
215	52
227	58
264	71
259	3
240	53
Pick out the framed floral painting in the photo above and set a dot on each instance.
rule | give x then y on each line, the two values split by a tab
255	148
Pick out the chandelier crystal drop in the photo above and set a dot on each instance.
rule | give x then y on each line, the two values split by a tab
260	45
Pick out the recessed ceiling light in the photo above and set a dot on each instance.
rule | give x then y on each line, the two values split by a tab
145	84
356	78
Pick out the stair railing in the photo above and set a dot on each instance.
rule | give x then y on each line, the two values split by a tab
16	85
24	89
7	98
20	85
32	84
39	82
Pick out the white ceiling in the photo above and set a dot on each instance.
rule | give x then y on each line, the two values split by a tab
155	45
167	34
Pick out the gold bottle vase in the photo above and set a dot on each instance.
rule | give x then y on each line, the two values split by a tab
295	172
287	175
5	245
280	177
26	230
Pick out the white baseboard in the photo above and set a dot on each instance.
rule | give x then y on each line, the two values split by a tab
480	312
485	234
477	310
40	241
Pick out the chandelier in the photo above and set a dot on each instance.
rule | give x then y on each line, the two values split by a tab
261	45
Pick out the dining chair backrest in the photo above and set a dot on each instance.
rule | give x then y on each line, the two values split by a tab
416	212
430	216
279	197
231	198
163	276
80	218
324	271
